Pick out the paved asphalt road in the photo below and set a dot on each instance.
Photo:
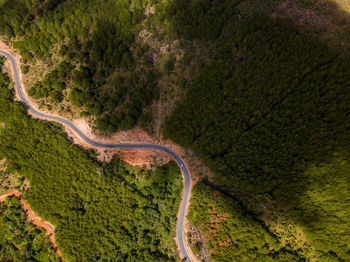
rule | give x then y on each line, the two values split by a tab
186	174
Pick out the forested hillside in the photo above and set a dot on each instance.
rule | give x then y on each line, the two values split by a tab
20	240
104	59
232	233
101	211
265	103
90	53
269	114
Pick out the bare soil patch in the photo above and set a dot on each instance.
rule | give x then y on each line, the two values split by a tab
140	157
143	157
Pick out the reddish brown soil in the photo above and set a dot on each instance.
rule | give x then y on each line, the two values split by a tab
13	193
143	157
137	135
36	220
139	157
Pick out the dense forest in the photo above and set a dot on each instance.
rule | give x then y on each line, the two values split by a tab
266	108
269	114
101	211
234	235
19	239
91	50
95	61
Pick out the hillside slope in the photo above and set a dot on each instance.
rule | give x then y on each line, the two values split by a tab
269	114
259	89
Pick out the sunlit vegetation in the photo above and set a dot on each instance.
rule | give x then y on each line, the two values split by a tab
92	47
8	181
234	235
99	65
268	114
19	239
101	211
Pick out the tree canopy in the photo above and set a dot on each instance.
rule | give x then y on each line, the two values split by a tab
102	211
19	239
269	114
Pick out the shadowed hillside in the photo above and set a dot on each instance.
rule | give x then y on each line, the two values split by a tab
269	114
261	91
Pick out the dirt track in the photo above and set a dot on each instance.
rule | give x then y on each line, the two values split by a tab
36	220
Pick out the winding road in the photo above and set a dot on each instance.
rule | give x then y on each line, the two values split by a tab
180	226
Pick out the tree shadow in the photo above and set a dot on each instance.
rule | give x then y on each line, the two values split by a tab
327	20
207	20
266	132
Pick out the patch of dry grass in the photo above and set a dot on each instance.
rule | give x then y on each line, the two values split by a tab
8	182
215	221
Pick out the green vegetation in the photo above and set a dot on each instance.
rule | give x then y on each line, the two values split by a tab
234	235
19	239
200	19
97	60
90	45
8	181
101	211
269	114
267	111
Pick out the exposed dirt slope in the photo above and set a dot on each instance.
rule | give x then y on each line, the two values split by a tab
36	220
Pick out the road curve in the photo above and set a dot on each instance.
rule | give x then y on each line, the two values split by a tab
180	226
